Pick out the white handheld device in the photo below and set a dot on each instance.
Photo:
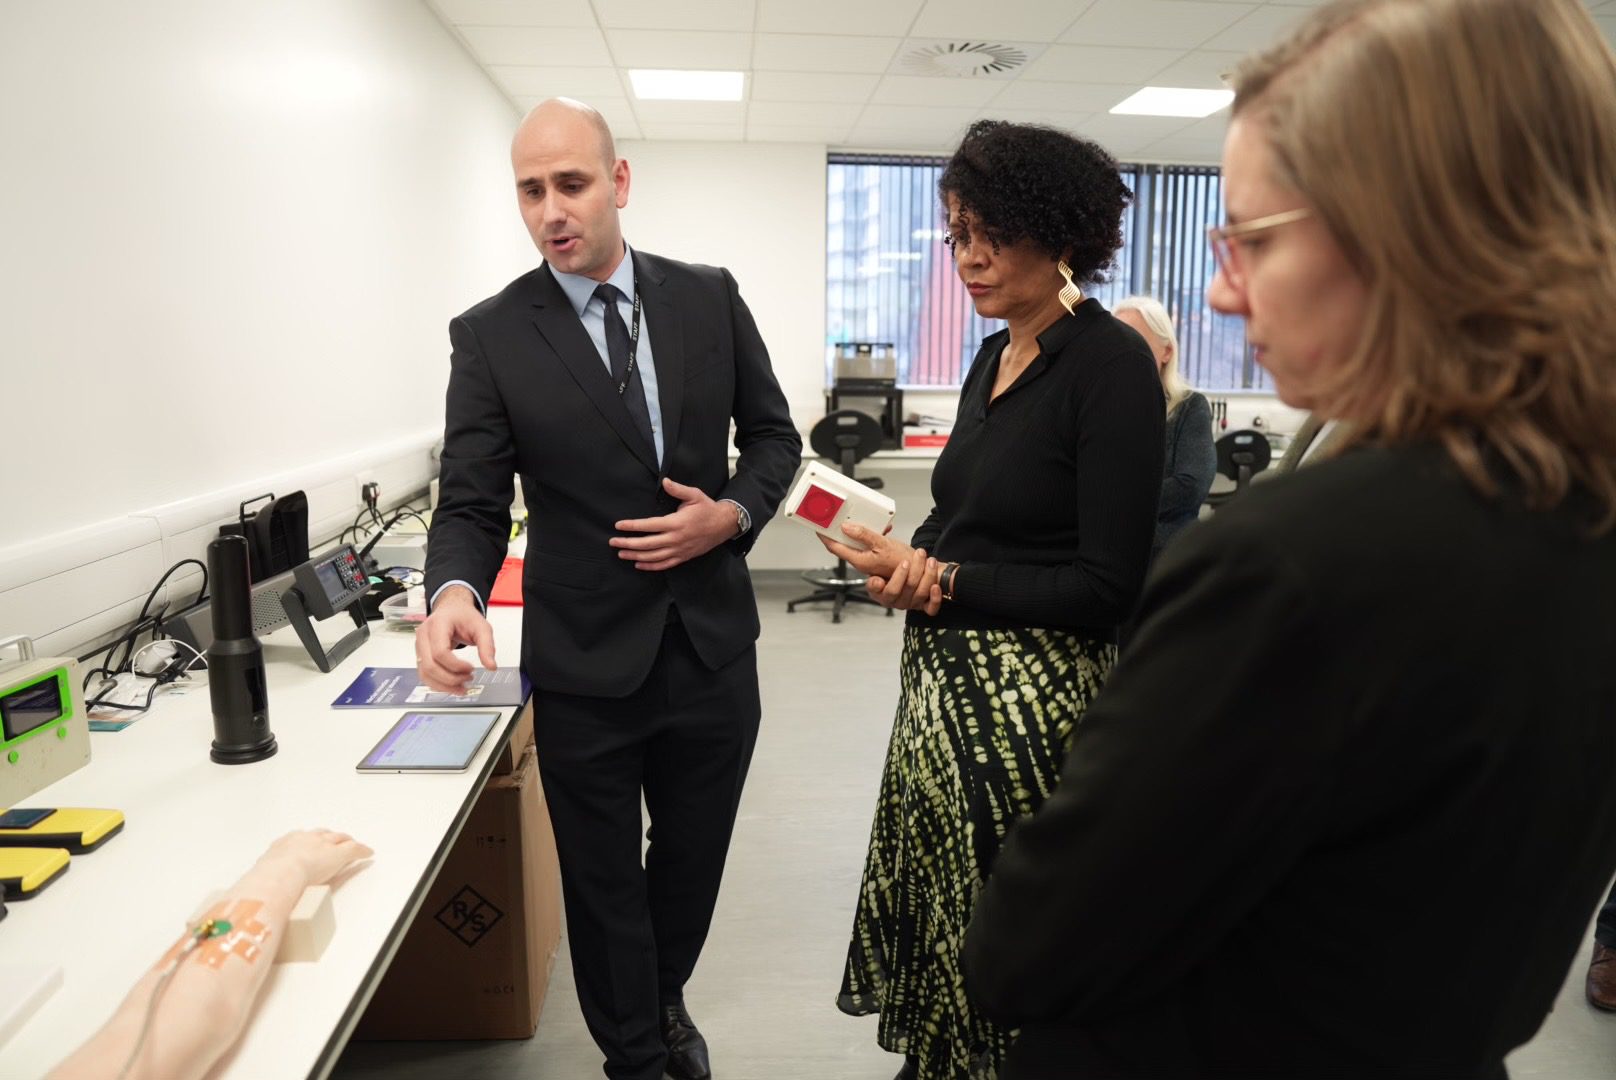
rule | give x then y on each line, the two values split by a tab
824	500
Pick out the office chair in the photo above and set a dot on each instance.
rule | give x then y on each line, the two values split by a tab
844	437
1241	455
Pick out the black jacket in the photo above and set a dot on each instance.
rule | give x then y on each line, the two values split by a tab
528	394
1343	810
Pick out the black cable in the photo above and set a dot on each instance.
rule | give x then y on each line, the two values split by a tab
127	639
342	538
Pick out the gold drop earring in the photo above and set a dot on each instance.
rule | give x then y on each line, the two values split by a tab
1070	295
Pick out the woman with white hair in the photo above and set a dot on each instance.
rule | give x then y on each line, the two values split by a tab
1191	461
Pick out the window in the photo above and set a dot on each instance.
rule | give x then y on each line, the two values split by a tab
890	279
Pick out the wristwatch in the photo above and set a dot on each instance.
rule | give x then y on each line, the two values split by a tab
743	520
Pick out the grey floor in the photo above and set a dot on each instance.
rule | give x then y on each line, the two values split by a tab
764	993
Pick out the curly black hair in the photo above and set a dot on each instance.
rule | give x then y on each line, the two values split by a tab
1018	182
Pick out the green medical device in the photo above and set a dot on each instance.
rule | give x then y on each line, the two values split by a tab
44	732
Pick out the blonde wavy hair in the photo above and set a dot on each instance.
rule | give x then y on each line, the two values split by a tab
1161	324
1463	155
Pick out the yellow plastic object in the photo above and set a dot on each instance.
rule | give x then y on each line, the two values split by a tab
24	870
78	829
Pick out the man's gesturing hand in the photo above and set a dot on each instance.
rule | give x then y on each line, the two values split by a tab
455	620
698	526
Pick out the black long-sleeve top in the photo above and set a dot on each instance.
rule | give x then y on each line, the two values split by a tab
1046	496
1344	807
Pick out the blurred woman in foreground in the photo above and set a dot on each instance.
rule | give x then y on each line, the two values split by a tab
1347	810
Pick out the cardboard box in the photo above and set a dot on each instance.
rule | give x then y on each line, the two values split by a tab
510	755
476	962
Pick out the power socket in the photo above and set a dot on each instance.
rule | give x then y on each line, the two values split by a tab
371	492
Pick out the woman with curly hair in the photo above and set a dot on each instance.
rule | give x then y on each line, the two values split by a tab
1045	505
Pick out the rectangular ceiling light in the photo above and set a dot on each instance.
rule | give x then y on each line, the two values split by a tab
666	85
1172	101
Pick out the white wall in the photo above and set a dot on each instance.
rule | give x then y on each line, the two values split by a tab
235	232
758	209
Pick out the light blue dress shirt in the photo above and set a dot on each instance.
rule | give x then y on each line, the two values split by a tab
592	312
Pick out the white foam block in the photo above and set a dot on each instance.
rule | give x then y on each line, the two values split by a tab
22	991
311	927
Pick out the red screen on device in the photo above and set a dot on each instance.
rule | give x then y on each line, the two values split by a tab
819	506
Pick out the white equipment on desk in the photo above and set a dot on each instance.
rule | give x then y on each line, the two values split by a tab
44	732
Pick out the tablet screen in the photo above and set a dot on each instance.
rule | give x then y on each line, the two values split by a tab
430	741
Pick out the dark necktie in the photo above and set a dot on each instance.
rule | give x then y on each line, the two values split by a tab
617	345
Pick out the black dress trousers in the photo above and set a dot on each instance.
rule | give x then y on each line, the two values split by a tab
685	738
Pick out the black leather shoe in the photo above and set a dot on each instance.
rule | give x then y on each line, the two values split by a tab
687	1050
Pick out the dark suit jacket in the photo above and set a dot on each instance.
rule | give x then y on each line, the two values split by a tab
529	394
1344	809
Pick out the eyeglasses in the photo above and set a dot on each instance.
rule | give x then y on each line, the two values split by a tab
1225	240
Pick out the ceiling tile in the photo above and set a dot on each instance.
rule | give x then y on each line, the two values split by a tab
806	86
1261	28
1131	131
1198	70
1099	64
917	90
573	82
619	117
1065	121
1214	127
652	113
1177	151
573	13
696	132
1186	147
791	134
1000	20
1062	96
1153	23
533	47
734	15
898	117
888	18
787	114
822	53
923	140
680	49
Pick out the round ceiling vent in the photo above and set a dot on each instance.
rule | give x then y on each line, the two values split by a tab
964	59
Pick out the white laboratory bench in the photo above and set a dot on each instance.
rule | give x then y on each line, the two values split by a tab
193	827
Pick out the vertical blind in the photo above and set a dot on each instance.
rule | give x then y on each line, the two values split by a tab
889	277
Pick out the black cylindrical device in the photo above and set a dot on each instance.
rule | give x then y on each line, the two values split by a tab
236	660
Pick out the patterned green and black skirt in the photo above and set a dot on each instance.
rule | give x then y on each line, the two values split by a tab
985	718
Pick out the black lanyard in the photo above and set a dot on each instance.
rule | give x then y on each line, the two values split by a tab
633	342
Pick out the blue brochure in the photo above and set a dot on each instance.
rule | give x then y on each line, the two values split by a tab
401	688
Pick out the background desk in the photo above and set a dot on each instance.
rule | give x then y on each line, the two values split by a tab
194	827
